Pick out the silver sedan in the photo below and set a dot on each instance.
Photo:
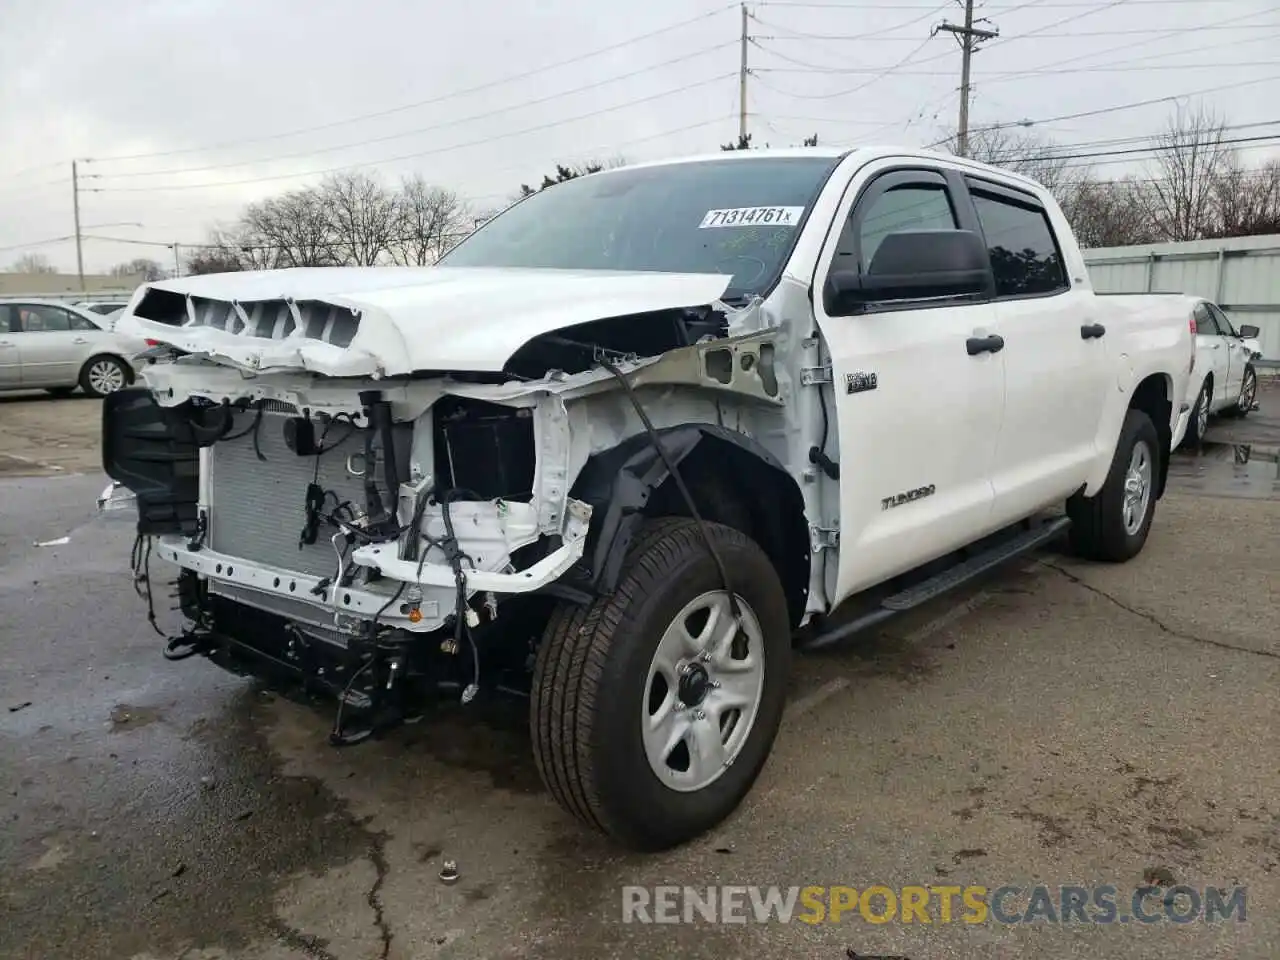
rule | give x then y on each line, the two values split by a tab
53	346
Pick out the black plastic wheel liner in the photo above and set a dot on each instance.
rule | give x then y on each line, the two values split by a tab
619	484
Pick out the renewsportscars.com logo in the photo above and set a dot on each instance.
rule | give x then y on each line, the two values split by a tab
880	904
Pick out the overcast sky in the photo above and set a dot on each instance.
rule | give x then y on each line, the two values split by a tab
203	95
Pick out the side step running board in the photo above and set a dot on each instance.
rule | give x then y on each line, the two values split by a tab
943	582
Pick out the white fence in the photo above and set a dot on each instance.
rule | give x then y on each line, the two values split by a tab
1241	275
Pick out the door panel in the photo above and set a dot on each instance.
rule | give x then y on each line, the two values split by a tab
1056	378
10	352
52	351
1212	347
916	416
1233	356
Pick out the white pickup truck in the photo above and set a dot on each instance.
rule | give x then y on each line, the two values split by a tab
632	441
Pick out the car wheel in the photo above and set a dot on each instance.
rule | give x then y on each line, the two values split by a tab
104	375
1199	421
1248	393
1113	524
652	710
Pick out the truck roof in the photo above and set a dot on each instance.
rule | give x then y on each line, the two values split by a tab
867	153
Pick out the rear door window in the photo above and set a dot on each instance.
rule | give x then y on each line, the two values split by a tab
41	318
1206	324
1024	253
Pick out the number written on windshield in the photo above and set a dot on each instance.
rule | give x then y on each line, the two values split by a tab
752	216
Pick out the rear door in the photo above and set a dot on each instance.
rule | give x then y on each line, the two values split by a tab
916	416
55	342
1211	349
10	348
1235	354
1057	375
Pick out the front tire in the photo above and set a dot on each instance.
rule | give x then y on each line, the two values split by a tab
104	375
1248	393
652	713
1113	524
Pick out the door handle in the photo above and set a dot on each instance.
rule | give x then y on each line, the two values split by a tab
1217	346
1092	331
991	344
79	340
6	345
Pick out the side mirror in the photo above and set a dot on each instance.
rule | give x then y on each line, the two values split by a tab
914	265
1248	332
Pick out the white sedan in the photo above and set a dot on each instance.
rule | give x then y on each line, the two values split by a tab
1224	379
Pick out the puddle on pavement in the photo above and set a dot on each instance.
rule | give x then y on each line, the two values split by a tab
1227	470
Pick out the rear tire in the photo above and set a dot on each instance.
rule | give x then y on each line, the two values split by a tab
1113	524
1199	421
601	688
103	375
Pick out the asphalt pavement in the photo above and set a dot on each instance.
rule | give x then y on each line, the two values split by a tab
1062	723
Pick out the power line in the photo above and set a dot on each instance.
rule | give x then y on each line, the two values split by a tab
421	130
994	8
441	98
1013	75
862	86
1043	36
424	153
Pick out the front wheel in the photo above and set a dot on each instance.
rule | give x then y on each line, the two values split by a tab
1113	524
1248	393
653	709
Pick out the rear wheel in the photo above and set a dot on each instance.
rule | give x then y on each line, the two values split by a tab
104	375
1199	421
653	710
1113	525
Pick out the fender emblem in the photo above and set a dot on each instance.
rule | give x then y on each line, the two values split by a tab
860	382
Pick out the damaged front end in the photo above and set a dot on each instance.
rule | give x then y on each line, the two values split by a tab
377	537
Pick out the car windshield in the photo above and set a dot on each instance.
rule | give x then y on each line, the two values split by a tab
735	216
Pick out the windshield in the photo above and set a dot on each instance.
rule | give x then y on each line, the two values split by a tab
737	217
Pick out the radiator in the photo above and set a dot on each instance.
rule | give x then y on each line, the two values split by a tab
257	508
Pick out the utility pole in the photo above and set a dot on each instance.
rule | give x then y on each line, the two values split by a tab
742	82
969	37
75	206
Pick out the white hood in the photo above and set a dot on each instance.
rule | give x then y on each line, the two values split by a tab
409	318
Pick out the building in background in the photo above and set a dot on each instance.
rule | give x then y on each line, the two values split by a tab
1240	274
63	286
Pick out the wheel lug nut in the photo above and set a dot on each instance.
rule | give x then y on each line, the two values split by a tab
700	715
715	684
679	706
705	656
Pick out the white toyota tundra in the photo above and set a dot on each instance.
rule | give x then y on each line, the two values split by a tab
631	442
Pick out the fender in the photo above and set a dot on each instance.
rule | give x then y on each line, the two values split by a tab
620	482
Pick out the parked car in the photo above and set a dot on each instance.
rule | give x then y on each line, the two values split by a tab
104	307
1225	379
51	345
629	437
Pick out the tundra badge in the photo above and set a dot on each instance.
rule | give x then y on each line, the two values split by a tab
898	499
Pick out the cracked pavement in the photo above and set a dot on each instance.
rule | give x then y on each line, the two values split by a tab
1060	723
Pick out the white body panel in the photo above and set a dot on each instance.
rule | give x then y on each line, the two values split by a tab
993	437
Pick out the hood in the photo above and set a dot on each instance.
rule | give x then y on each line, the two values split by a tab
384	321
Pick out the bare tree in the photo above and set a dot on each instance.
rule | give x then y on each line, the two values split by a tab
1027	154
1246	202
32	263
1106	213
361	215
1190	159
293	227
429	221
215	259
142	267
